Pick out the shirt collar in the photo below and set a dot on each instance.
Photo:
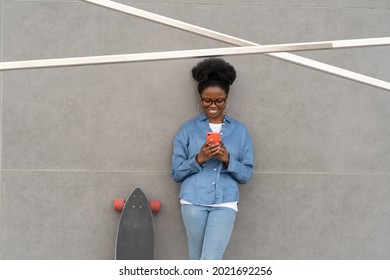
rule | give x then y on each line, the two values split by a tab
203	117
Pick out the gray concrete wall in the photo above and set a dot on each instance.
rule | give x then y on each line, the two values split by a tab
74	138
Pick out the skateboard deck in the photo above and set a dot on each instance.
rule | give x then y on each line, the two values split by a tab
135	235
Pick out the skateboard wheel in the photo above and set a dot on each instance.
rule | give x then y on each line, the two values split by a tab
155	205
119	204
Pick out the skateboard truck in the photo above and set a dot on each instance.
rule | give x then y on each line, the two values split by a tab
154	204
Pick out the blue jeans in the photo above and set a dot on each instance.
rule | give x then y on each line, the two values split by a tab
208	230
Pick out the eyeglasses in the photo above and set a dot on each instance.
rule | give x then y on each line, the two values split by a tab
218	102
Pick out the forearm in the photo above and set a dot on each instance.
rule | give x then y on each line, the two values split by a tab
185	168
240	171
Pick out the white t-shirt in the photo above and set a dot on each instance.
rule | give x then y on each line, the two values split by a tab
217	128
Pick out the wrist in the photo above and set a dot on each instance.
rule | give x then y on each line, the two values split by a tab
198	160
227	161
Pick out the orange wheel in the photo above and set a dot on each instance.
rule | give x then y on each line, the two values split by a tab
155	205
119	203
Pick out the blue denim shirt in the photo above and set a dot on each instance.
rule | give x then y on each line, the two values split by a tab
212	182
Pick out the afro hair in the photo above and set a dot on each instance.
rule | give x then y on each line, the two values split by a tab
214	70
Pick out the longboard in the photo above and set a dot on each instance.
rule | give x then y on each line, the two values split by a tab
135	234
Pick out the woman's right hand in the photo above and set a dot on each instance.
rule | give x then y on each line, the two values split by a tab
206	152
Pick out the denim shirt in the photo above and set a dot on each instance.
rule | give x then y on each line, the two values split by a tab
212	182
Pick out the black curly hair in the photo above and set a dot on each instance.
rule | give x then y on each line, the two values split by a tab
214	72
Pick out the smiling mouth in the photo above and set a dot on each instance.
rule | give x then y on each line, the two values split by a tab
212	111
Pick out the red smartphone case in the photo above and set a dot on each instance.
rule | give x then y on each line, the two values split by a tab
214	136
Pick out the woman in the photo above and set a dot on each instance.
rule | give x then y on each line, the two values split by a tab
210	173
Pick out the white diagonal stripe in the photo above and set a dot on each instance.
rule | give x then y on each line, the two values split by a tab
333	70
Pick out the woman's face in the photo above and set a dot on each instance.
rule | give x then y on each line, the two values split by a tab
213	101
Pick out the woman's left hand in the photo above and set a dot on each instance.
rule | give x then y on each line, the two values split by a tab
222	154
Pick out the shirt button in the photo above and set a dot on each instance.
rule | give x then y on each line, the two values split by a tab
215	169
213	183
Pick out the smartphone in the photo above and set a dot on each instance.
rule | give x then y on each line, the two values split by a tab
214	136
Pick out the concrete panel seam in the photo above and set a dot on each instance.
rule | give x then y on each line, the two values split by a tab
265	6
1	84
1	118
218	4
86	171
251	4
2	30
322	173
258	5
167	171
45	1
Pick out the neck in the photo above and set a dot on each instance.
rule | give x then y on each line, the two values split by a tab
216	120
